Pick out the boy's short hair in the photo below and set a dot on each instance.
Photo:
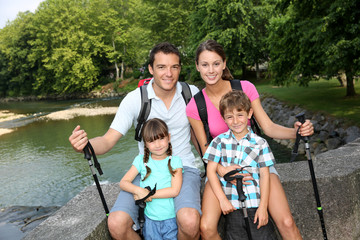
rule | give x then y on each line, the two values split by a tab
164	47
235	99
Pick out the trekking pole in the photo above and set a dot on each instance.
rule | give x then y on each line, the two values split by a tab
301	118
142	205
239	188
87	156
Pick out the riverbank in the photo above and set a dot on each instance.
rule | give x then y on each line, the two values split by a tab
6	116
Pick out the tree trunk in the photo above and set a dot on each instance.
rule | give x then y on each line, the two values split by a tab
257	71
122	70
122	65
243	71
116	66
350	86
340	81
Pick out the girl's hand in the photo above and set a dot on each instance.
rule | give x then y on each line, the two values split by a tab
141	193
306	129
261	216
226	206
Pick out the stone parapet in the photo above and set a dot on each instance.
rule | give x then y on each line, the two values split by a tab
338	177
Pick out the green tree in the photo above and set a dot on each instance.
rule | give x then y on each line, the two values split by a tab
240	26
309	38
16	73
76	42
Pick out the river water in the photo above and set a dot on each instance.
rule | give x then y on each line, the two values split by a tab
38	166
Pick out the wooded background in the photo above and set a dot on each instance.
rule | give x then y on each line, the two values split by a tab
75	46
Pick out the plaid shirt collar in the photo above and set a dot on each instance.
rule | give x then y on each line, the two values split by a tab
230	135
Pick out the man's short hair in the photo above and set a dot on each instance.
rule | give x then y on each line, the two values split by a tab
235	99
166	48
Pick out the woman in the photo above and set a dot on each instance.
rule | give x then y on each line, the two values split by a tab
211	63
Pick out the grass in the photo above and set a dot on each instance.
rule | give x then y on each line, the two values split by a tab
323	95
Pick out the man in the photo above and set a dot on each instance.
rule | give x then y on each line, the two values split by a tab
168	105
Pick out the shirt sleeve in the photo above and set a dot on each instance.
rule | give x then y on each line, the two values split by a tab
176	162
191	110
250	90
138	162
127	112
266	157
213	152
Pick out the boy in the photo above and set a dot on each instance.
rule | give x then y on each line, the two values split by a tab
240	146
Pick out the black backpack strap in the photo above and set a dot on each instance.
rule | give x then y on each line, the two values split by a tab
186	92
201	106
236	84
144	111
146	105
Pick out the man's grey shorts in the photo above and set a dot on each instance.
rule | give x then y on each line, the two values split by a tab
189	196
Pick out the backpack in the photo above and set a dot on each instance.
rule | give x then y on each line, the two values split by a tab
201	106
146	104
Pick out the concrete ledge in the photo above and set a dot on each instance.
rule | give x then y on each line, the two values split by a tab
338	178
83	217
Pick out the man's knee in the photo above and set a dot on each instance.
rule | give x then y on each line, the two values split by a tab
119	223
188	221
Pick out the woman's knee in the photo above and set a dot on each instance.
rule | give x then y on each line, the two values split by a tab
208	231
286	223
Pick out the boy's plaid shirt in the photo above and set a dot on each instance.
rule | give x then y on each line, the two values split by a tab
252	151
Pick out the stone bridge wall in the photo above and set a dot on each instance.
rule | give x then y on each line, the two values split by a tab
338	179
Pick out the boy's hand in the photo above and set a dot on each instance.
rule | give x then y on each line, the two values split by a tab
247	176
226	206
261	216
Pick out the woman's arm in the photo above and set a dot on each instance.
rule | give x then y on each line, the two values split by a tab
226	206
127	185
277	131
174	190
200	136
261	214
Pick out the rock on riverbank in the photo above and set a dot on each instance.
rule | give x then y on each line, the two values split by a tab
17	221
329	132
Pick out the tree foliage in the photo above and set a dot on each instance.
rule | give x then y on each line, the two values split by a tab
69	46
309	38
240	26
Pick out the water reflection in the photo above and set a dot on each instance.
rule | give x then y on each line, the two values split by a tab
38	167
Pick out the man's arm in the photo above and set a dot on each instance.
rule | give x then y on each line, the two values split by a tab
101	144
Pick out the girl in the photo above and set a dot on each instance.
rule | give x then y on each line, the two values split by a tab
211	63
157	167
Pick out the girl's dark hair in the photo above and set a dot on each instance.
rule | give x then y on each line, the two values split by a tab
213	46
163	47
152	130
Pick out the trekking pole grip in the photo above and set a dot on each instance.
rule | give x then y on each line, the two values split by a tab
239	188
301	117
86	151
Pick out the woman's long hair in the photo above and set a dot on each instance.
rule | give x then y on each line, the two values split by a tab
152	130
213	46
